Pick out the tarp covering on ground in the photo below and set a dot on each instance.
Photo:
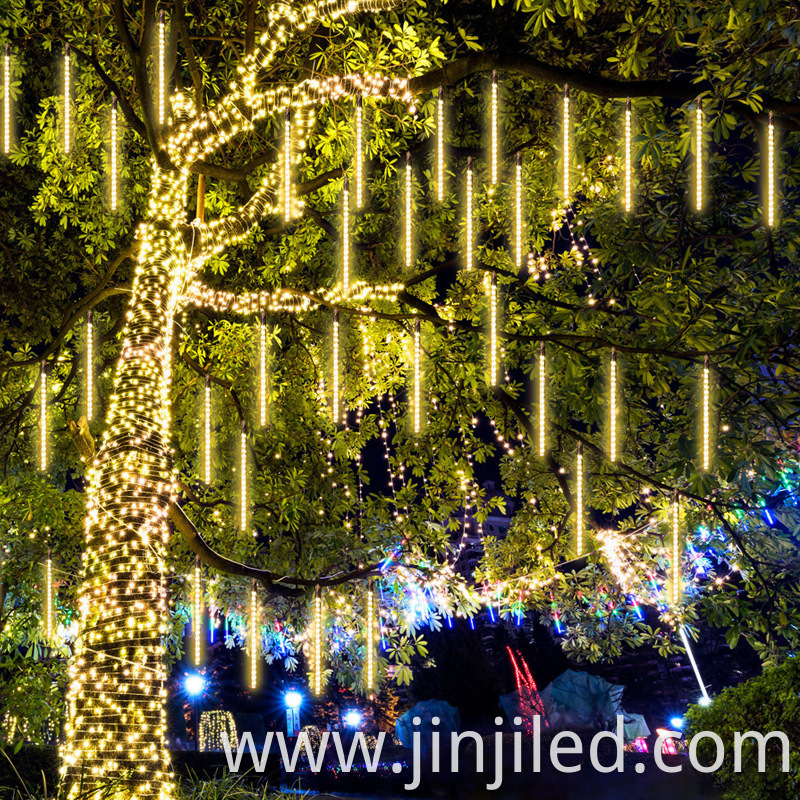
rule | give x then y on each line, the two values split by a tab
449	721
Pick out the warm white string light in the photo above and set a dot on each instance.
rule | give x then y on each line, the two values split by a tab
48	610
359	199
207	431
113	154
565	146
771	170
417	378
493	347
197	613
612	413
518	232
469	245
262	368
628	162
542	400
43	417
408	218
162	69
676	550
317	635
67	101
369	637
287	166
7	100
243	478
495	134
579	500
440	145
698	143
89	365
706	415
335	411
346	235
253	635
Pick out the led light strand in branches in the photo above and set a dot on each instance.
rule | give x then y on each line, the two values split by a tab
197	613
417	378
89	366
493	345
43	417
346	235
698	143
542	400
369	638
67	101
675	562
408	218
162	70
262	368
579	500
612	414
317	622
494	142
6	100
440	145
48	598
706	415
628	162
469	244
113	156
243	478
771	171
287	166
518	232
359	199
207	431
335	389
565	147
253	635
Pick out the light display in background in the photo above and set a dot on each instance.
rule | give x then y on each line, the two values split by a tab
698	155
113	155
579	500
89	366
675	560
542	404
253	635
212	725
628	158
336	412
346	235
263	359
359	159
243	502
440	145
43	416
770	204
409	197
417	378
197	614
67	122
6	100
518	224
469	238
162	70
565	153
317	624
495	146
612	411
370	622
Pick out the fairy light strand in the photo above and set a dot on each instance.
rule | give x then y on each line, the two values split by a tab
48	611
335	388
43	417
317	635
440	145
612	414
6	100
771	170
542	400
493	360
579	500
197	613
207	431
359	198
287	166
518	231
495	136
628	162
162	70
417	378
253	635
676	550
243	478
706	414
408	215
262	368
113	155
67	100
369	644
346	235
565	146
469	244
698	142
89	365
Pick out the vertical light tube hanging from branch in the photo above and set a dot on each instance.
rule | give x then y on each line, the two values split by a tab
495	134
207	431
43	417
440	145
770	204
317	634
162	69
370	638
113	155
89	365
698	161
628	157
493	360
48	597
579	500
675	561
409	198
542	400
359	199
67	100
262	368
197	613
565	146
612	413
518	232
417	378
346	235
6	100
469	244
243	478
706	415
287	166
253	634
335	410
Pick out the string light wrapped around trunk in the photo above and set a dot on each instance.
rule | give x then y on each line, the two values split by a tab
162	70
628	157
370	639
335	398
263	358
253	635
675	561
565	187
197	613
698	155
43	416
243	478
440	145
89	365
207	431
317	626
518	229
706	422
612	412
542	400
287	166
417	378
495	132
6	100
112	155
359	199
469	243
493	343
770	204
67	99
409	210
579	500
346	235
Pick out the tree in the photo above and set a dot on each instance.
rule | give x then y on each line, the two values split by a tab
665	287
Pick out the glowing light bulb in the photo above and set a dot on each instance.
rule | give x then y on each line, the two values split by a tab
771	170
612	421
628	161
369	623
317	633
346	235
67	101
335	410
470	233
542	400
48	610
417	378
579	500
243	478
43	417
676	550
7	100
287	166
698	143
197	613
493	162
89	366
409	198
262	368
207	431
518	232
113	154
440	146
162	70
706	415
493	360
565	147
359	199
253	635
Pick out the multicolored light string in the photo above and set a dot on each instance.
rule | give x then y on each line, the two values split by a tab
440	145
579	500
495	134
628	157
698	142
469	244
518	231
346	235
89	365
565	188
43	417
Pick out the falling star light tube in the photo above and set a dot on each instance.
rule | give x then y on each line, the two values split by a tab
253	635
518	232
612	412
207	431
370	638
317	634
162	69
440	145
113	145
89	365
67	100
417	378
243	478
408	215
565	124
43	416
346	235
262	368
628	162
469	244
287	166
48	598
493	344
495	133
197	613
579	500
771	170
6	100
542	400
335	389
698	160
693	662
706	422
359	199
675	561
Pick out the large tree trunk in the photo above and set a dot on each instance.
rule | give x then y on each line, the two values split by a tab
116	700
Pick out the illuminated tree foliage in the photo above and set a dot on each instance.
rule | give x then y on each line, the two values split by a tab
176	304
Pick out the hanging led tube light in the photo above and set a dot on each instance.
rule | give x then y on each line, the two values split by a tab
89	365
579	500
253	634
493	360
705	700
359	199
43	417
287	166
197	613
162	70
698	143
675	562
408	220
771	171
469	244
440	146
316	681
518	232
565	146
612	414
542	400
113	155
262	368
370	638
495	134
48	598
335	409
243	478
207	431
7	100
706	415
67	100
346	235
628	157
417	378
